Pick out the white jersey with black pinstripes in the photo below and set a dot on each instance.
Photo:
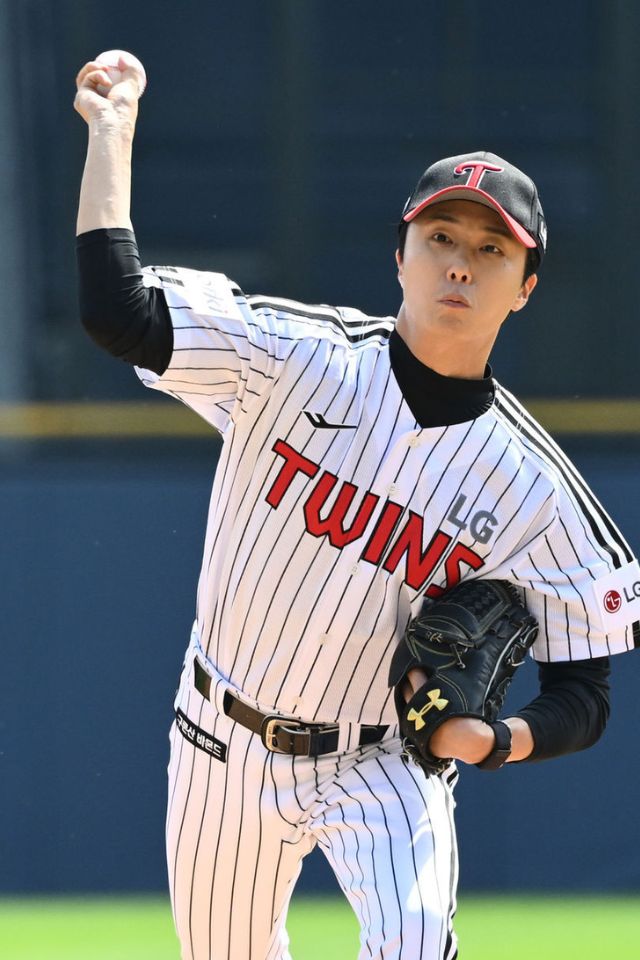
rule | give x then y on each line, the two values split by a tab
333	512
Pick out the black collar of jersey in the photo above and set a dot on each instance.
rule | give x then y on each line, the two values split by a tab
435	400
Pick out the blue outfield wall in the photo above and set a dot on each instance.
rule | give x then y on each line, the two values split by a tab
101	551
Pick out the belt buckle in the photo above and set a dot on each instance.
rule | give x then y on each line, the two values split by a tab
269	736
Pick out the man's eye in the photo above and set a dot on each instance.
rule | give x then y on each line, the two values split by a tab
491	248
441	238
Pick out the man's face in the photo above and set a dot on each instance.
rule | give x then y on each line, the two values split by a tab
461	273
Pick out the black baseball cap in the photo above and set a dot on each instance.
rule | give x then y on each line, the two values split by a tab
488	179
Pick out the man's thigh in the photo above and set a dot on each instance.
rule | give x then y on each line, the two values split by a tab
232	855
388	833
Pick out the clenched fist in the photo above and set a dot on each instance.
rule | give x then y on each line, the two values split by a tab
109	87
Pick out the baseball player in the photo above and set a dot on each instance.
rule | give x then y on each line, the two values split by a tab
367	463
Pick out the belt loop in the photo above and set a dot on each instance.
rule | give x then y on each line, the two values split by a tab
348	737
207	679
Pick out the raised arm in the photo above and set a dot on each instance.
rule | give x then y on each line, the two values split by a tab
107	99
118	312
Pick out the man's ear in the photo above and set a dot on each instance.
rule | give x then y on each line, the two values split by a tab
525	292
399	263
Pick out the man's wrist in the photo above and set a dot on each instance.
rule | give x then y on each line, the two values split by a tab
113	126
472	741
463	738
501	750
522	742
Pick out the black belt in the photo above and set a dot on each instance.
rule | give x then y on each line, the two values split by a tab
280	734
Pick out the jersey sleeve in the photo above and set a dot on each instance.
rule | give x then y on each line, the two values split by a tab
580	579
225	357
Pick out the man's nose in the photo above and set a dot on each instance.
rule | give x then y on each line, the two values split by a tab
459	272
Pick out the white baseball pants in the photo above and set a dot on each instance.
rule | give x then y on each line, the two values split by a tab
238	830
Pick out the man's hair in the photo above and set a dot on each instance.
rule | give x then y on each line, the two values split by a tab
530	264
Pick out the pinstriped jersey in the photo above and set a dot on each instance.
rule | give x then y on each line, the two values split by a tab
334	513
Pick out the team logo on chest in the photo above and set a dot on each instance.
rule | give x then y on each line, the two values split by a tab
397	534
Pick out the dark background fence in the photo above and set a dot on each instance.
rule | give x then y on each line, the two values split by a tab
102	552
277	142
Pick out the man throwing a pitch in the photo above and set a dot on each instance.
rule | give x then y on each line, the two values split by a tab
383	512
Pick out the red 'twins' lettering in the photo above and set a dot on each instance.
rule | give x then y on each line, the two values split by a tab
459	555
419	564
333	525
294	463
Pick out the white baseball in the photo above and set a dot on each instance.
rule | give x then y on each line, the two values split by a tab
111	59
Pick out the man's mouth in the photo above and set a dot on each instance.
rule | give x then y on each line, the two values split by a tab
454	300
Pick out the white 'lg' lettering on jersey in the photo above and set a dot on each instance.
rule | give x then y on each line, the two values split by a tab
333	512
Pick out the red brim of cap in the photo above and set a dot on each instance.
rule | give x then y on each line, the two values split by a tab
478	196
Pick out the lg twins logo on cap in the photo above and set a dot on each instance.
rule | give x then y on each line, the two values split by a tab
477	170
617	595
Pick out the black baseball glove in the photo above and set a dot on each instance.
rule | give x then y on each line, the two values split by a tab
470	643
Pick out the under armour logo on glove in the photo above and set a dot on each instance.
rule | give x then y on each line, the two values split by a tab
435	700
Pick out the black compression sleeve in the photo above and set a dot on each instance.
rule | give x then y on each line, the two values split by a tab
123	316
572	709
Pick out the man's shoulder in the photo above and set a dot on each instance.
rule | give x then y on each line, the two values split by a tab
350	326
208	292
532	439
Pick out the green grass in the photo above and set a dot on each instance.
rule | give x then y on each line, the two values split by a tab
489	928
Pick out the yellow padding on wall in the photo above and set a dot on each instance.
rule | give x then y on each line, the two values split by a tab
71	419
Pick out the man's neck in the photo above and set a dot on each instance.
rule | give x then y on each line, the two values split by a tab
447	355
436	400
